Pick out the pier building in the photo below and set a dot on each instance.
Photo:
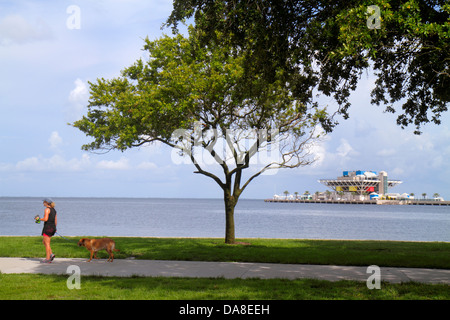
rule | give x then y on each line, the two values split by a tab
359	187
361	182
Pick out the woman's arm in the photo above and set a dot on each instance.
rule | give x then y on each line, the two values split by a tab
46	213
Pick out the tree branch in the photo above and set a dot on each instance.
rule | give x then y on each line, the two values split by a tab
206	173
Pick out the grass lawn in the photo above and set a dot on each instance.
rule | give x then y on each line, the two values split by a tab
363	253
338	252
30	286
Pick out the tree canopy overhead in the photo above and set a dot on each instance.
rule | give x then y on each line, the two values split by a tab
327	44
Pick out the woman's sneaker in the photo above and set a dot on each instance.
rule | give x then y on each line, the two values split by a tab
52	257
46	261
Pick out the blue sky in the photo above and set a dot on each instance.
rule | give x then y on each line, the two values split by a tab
46	59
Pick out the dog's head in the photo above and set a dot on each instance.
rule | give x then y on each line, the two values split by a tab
81	242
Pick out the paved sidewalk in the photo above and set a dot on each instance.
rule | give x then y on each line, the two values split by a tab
229	270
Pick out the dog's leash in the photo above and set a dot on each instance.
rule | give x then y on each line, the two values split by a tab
65	237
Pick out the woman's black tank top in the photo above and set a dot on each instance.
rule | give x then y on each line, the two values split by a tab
49	225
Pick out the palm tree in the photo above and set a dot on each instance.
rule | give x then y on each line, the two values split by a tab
424	195
296	195
436	195
286	193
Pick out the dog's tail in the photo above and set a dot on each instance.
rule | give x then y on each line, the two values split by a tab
113	247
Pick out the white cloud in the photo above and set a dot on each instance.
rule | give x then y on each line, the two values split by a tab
328	160
55	140
345	149
80	93
121	164
55	163
147	165
319	153
15	29
32	164
78	99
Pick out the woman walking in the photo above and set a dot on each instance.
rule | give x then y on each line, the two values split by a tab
49	229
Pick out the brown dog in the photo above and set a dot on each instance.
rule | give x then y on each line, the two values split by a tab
94	245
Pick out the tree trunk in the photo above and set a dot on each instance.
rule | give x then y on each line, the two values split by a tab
230	203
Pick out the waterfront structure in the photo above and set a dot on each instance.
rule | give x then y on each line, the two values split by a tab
359	187
362	183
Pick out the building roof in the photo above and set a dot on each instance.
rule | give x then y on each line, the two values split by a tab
361	182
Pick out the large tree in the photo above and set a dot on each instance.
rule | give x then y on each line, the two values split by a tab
327	44
200	101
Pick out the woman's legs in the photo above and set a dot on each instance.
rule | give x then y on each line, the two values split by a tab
48	249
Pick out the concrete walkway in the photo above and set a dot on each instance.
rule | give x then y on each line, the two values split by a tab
229	270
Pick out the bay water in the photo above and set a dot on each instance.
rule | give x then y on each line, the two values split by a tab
154	217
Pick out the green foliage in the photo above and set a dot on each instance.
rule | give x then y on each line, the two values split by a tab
409	52
327	44
182	83
190	97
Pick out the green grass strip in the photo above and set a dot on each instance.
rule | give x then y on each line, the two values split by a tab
326	252
30	287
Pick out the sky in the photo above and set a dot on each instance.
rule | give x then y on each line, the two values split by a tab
49	50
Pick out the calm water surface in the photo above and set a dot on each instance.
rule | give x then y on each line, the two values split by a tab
205	218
